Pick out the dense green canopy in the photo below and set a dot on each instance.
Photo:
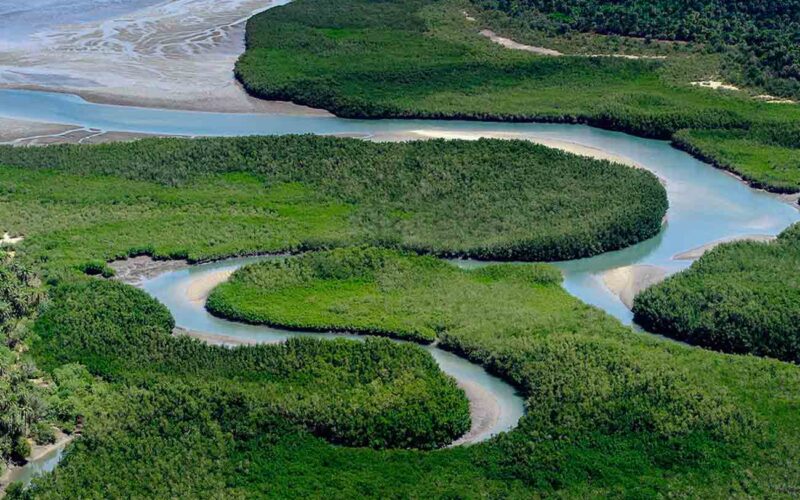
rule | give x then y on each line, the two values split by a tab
741	297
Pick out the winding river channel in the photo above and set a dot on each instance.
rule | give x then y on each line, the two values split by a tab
494	405
707	205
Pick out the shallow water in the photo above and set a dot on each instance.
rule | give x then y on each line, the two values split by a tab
19	20
171	289
706	204
37	467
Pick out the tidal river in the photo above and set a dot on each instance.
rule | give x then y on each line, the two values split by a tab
707	205
106	49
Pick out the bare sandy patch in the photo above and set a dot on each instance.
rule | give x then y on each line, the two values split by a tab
715	84
484	411
567	146
627	282
771	99
200	287
177	54
8	240
511	44
698	252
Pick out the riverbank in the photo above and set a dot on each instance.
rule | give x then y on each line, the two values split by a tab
698	252
39	453
485	409
627	282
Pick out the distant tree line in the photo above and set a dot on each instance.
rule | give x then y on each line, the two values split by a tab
762	37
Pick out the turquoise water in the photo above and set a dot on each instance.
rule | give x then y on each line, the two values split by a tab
706	204
171	290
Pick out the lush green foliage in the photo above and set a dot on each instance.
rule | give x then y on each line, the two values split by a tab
766	156
375	393
761	39
364	290
32	403
610	412
23	405
413	58
588	380
741	297
487	199
409	58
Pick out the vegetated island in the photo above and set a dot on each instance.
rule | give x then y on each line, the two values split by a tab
741	297
413	58
488	199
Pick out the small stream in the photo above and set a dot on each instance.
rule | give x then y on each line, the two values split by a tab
45	463
171	289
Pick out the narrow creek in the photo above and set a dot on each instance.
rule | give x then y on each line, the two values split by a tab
494	405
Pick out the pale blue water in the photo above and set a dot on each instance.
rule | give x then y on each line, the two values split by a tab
20	19
706	204
171	290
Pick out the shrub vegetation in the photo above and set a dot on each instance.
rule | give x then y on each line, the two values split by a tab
31	402
376	393
414	58
741	297
768	157
759	40
485	199
595	390
610	412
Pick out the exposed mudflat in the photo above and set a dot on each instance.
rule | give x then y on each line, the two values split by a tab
627	282
137	269
484	411
30	133
698	252
175	54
